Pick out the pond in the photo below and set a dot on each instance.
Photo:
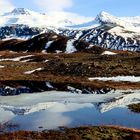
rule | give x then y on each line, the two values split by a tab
73	115
50	110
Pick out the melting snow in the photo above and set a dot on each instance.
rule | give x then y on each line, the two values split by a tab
108	53
32	71
1	66
58	51
49	85
27	60
54	37
70	48
48	44
118	79
16	58
46	60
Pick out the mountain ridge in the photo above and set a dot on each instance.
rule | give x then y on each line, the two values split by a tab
105	30
102	17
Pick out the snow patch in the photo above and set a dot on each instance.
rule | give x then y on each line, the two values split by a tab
2	66
74	90
49	85
27	60
32	71
16	59
118	79
70	48
108	53
58	51
46	60
54	37
48	44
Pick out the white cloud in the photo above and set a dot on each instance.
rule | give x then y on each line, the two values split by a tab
5	5
54	5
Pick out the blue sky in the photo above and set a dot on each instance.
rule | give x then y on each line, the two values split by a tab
82	7
115	7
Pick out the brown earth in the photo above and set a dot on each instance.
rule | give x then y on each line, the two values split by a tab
81	133
70	69
134	107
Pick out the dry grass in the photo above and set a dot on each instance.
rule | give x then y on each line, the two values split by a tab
81	133
72	69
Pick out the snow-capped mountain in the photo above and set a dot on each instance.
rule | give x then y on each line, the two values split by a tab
18	11
65	19
126	26
35	19
122	26
106	30
106	18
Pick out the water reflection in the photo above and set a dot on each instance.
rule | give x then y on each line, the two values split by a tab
73	115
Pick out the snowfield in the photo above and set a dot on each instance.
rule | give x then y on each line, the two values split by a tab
49	110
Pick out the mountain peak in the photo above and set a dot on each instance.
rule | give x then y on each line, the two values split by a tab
103	13
104	17
18	11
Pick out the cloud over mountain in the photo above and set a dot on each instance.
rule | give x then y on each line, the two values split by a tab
5	5
54	5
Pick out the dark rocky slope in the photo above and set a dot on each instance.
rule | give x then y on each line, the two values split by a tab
48	42
96	36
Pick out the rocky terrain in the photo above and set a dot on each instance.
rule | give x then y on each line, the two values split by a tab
135	107
30	69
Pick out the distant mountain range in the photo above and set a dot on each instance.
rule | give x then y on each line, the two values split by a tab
35	19
64	19
105	30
